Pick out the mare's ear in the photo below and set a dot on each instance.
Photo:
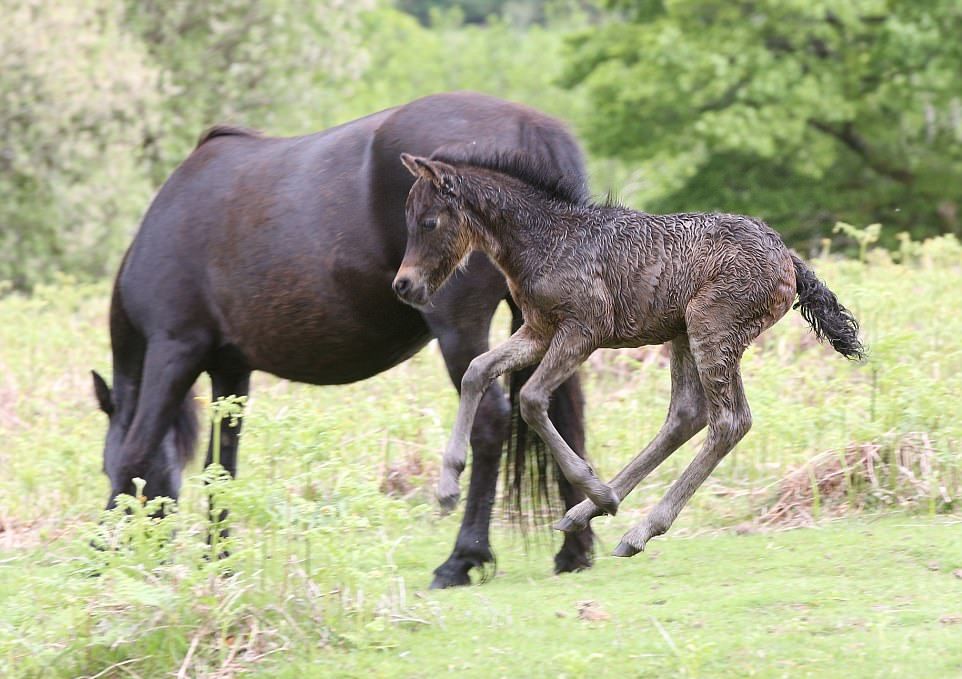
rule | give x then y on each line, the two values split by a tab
438	173
102	392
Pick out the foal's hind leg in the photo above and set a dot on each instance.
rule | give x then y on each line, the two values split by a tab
686	417
566	353
717	355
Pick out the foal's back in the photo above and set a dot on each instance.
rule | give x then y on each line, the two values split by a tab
664	271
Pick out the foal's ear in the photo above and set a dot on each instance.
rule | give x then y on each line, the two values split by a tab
438	173
413	163
102	392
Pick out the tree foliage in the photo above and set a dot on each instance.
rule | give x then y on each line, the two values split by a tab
71	121
805	113
801	112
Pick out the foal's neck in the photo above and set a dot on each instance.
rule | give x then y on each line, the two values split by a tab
515	224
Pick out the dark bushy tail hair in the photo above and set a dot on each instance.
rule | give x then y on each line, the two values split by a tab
830	321
186	429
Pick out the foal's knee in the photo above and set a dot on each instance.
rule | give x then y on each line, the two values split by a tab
475	378
534	404
731	425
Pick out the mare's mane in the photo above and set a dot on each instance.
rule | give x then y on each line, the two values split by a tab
225	131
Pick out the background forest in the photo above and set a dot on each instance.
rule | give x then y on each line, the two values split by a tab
803	113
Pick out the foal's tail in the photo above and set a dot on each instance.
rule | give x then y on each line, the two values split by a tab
829	319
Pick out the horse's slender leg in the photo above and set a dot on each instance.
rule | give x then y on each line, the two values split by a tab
687	415
170	368
226	382
520	350
563	357
717	355
459	345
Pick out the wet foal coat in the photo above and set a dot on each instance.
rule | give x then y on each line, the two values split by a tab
590	276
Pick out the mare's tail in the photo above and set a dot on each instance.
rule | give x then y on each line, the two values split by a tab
829	320
186	429
532	477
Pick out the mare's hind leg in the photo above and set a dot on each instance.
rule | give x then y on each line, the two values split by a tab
686	417
226	382
170	368
567	412
717	352
567	351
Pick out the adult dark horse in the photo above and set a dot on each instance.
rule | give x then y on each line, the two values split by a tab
278	255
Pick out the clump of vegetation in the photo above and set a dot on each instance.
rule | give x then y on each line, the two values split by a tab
333	525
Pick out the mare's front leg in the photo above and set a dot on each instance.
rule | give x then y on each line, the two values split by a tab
568	350
225	381
520	350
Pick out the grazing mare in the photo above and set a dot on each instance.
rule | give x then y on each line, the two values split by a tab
589	276
278	254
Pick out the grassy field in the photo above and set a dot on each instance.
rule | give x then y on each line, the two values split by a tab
328	566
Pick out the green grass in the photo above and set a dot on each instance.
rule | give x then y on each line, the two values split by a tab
327	569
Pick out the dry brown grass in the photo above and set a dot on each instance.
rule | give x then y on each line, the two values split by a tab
903	473
407	477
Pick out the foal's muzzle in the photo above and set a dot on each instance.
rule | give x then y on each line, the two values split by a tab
410	291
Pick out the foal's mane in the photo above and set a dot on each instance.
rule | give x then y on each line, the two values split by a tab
531	170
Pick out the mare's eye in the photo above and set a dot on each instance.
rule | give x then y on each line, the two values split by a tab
430	224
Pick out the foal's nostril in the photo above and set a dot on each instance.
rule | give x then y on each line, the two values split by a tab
402	286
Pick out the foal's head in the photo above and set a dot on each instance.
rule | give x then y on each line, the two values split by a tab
438	232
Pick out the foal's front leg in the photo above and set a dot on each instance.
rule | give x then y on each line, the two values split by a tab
520	350
566	353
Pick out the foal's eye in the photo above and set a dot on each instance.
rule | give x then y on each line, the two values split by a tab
430	224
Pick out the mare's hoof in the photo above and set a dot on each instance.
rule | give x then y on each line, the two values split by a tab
446	580
625	549
567	562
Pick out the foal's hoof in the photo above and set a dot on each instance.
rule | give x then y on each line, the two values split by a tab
605	498
625	549
448	500
634	540
448	492
578	517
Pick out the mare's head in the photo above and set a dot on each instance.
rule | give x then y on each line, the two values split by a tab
438	232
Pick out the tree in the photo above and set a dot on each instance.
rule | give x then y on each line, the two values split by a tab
800	112
77	94
272	64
